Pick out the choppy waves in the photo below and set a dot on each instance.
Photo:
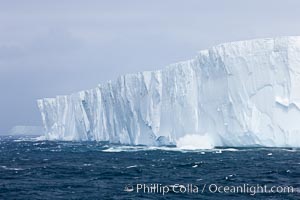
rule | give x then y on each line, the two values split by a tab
39	169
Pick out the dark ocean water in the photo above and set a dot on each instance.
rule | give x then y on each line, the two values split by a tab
31	169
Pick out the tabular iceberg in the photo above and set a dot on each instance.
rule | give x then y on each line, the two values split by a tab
244	93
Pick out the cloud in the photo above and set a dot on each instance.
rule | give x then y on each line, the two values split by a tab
8	52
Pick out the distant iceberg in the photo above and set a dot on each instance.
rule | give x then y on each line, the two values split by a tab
27	130
237	94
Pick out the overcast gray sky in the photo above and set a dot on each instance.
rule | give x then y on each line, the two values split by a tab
62	46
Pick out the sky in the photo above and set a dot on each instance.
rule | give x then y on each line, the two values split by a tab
56	47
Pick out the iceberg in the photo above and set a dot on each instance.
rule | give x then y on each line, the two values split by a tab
26	130
236	94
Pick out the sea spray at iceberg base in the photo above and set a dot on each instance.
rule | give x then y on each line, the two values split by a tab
235	94
191	142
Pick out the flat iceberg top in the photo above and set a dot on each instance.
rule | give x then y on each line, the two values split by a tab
244	93
26	130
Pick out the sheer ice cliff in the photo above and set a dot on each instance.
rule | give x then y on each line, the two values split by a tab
244	93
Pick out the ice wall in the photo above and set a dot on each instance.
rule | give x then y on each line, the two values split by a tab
243	93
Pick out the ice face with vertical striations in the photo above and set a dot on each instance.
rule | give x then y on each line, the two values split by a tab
244	93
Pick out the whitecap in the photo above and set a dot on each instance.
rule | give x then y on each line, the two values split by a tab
230	149
219	151
132	166
39	138
180	148
11	168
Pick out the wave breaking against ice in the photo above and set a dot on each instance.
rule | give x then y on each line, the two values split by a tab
238	94
193	142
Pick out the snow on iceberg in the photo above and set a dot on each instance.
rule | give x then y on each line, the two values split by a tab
244	93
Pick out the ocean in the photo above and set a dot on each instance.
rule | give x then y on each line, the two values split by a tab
37	169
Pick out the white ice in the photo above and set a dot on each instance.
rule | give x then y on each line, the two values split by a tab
236	94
